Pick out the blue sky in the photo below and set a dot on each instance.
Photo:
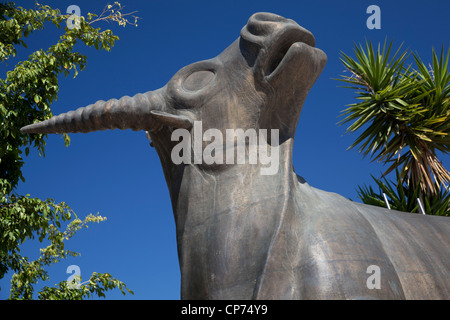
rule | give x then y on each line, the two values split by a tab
117	174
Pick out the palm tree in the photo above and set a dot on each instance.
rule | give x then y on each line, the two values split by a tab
403	112
404	198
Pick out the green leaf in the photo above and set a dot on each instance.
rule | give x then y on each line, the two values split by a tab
26	94
398	107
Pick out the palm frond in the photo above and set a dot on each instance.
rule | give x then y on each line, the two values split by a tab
403	197
404	113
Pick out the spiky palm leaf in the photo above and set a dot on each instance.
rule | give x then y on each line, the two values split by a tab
404	113
404	198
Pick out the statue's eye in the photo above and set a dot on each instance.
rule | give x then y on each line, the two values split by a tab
198	80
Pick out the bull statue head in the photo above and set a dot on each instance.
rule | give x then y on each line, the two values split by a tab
260	81
245	235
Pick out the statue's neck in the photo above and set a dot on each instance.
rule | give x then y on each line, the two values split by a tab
263	164
225	220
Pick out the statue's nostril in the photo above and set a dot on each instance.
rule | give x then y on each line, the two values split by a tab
269	17
264	23
259	29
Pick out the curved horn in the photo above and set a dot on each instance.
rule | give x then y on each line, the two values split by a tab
126	113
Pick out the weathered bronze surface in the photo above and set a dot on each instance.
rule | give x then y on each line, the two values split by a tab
244	235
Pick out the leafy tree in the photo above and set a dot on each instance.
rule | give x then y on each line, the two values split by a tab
26	94
404	113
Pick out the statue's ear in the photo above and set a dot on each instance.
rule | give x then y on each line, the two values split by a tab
172	120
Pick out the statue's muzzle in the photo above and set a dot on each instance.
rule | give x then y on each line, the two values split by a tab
267	37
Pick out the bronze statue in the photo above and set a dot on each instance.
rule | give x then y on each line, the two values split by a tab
246	235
